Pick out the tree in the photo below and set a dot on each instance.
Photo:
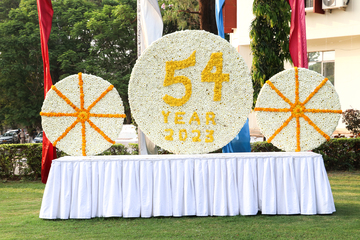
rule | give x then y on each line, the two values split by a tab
6	6
190	14
269	40
20	86
113	51
91	36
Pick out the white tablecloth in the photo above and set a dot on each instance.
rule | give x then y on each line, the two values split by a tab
187	185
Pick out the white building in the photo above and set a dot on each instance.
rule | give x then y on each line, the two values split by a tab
333	44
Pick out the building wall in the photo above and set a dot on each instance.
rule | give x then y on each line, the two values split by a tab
347	63
337	31
335	24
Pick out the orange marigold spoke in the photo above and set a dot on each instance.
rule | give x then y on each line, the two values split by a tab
66	132
100	97
280	128
298	148
315	90
316	127
108	115
83	136
81	83
296	85
278	92
323	111
51	114
100	132
65	98
273	109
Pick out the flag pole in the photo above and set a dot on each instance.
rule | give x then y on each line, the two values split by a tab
138	28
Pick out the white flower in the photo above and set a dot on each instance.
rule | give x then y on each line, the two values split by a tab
72	142
146	92
315	98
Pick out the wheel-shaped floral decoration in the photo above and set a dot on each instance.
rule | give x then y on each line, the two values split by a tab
82	115
297	110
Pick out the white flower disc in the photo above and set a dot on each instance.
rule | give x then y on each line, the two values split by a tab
97	129
304	137
207	79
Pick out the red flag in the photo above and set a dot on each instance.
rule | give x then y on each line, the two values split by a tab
46	12
297	44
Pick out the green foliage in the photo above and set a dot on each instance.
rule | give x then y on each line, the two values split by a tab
113	53
269	44
188	14
264	147
12	156
26	158
32	153
117	149
7	160
351	118
134	148
341	154
6	6
180	15
21	90
90	36
163	151
338	153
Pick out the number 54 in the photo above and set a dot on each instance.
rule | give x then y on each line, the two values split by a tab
216	60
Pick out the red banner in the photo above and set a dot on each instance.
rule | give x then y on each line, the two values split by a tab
46	12
297	44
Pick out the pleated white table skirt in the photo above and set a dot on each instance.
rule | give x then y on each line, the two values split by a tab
187	185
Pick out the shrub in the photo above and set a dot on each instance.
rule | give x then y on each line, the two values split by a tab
341	154
117	149
134	148
7	160
264	147
32	153
27	158
351	118
338	153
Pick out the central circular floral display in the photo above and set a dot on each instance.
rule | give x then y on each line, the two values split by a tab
82	115
190	92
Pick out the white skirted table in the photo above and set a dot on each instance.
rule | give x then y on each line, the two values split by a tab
187	185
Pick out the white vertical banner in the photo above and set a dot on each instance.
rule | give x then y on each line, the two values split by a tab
150	28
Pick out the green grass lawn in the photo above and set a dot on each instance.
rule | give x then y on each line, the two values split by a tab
20	204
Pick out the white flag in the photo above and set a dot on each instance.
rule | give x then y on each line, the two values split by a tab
151	22
151	29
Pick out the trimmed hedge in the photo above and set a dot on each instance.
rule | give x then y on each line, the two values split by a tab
338	154
341	154
264	147
25	159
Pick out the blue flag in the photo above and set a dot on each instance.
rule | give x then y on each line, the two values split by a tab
219	17
241	143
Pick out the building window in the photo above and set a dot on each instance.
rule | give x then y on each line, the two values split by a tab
323	63
309	3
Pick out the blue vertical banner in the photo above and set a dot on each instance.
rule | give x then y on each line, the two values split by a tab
219	17
241	143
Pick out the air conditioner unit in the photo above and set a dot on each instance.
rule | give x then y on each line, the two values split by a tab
333	4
